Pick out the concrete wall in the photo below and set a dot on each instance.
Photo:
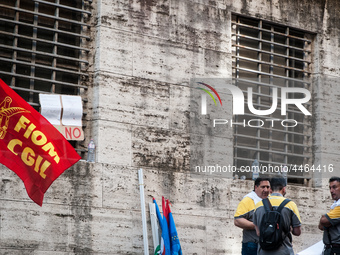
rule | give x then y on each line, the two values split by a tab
95	209
144	55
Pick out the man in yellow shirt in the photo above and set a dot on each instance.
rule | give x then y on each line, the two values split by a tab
330	222
289	212
243	217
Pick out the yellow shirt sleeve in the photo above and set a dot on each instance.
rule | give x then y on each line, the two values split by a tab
291	205
334	213
244	207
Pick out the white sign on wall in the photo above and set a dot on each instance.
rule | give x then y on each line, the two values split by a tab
65	113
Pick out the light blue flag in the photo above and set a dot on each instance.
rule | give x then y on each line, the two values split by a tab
165	239
174	241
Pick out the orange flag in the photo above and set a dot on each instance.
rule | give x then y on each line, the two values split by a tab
30	146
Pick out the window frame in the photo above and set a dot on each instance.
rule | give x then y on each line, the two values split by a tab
251	71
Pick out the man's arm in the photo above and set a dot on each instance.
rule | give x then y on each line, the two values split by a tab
257	230
324	222
296	231
244	223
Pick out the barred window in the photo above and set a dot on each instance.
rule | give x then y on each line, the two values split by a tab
43	47
267	56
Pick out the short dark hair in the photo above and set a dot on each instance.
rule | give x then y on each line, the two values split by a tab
278	183
259	180
334	178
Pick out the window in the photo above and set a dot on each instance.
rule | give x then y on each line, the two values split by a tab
43	47
268	56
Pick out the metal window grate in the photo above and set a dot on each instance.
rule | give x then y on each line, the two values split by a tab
44	47
267	56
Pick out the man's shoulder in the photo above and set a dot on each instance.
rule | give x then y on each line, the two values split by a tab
245	206
248	203
334	213
276	201
247	200
289	208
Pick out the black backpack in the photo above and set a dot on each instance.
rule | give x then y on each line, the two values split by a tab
272	233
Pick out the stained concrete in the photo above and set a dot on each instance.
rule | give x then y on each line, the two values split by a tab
144	54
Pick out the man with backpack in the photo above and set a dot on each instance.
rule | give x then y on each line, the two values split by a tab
330	222
243	217
275	219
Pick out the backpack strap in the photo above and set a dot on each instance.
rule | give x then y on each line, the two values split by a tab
329	236
267	205
282	205
279	209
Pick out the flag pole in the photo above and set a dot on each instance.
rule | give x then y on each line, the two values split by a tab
154	225
142	201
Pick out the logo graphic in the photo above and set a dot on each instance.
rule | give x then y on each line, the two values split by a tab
238	100
204	98
5	113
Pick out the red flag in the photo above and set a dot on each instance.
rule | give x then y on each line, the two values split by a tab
165	209
30	146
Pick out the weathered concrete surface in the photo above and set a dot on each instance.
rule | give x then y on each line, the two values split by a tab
144	54
100	212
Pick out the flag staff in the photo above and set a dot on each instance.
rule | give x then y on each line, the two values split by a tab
154	225
142	201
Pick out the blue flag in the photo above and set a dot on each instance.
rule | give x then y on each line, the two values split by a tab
159	216
165	239
174	241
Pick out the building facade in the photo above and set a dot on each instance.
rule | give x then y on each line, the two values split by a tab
134	63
